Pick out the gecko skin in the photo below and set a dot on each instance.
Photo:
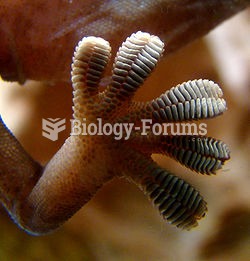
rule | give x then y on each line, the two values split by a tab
40	199
40	47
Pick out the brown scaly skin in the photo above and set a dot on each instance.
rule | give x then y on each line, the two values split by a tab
41	199
40	47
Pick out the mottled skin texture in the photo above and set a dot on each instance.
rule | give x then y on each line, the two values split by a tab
41	199
39	47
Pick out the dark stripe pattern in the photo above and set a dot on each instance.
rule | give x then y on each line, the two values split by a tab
135	60
202	154
89	61
178	202
192	100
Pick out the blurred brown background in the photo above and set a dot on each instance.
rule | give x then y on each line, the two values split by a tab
120	223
